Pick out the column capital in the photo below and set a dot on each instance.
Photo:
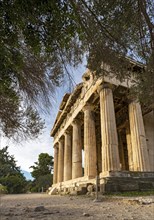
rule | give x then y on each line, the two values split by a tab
103	86
67	132
76	121
55	146
61	140
88	106
132	100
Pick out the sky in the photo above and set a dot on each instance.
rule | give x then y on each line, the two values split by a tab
26	153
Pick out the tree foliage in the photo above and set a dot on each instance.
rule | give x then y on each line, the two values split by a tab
115	30
10	174
42	172
39	39
43	166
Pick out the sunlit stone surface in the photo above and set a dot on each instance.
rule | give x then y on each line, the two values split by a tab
100	132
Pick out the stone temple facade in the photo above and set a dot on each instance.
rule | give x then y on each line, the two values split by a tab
99	131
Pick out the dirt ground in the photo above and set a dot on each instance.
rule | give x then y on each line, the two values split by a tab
46	207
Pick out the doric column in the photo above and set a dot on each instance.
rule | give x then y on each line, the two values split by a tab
67	157
89	142
110	155
61	161
55	173
130	150
138	139
77	150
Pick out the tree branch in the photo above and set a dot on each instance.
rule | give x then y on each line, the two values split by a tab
104	29
142	6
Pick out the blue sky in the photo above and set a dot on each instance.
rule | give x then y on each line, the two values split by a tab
26	153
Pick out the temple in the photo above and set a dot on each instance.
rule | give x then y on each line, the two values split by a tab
100	131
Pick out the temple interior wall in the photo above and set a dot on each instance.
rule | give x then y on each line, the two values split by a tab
149	130
123	152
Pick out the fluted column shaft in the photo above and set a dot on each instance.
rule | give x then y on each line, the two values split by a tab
77	150
110	155
130	150
138	139
61	161
89	142
67	157
55	173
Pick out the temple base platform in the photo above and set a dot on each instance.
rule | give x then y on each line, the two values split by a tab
108	182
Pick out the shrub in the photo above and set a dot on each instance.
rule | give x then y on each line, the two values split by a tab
3	189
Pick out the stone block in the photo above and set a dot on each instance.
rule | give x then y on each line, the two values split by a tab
65	190
90	188
82	191
145	186
128	186
73	193
112	187
53	191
